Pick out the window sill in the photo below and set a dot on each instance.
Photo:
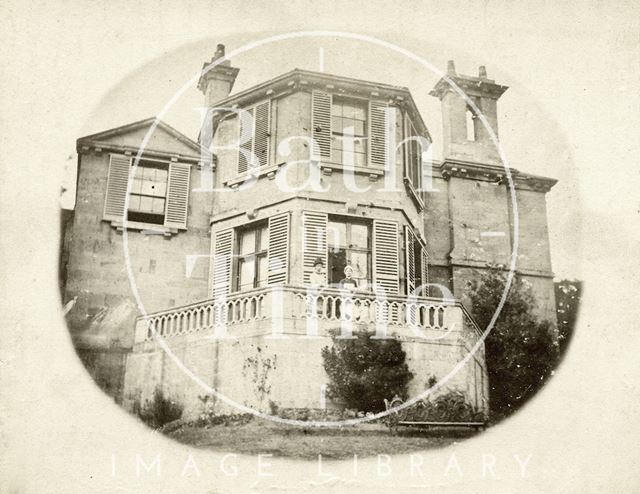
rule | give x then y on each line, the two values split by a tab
261	172
144	228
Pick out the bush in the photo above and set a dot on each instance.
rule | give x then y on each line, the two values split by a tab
520	350
451	406
363	371
160	410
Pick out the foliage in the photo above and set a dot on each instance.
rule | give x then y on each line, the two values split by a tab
209	417
451	406
159	410
568	296
364	371
520	350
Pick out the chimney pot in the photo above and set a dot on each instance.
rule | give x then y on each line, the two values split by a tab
451	68
482	72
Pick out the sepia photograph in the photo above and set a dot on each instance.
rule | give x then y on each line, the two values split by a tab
320	247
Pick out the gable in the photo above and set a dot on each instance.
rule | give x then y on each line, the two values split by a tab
164	140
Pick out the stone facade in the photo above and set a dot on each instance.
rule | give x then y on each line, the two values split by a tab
193	253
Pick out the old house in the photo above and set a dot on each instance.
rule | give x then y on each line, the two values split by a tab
307	168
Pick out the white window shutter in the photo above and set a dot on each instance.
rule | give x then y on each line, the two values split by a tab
314	241
221	263
321	124
177	196
425	271
246	148
278	253
117	180
410	259
262	132
378	134
385	255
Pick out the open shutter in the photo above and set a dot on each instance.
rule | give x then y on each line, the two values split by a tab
222	256
119	168
425	271
410	259
278	253
262	132
246	147
314	241
321	124
385	255
378	134
177	196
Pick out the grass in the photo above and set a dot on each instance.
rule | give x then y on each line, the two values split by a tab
266	437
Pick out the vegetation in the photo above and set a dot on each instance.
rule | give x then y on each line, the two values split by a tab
451	406
159	410
568	296
521	351
364	371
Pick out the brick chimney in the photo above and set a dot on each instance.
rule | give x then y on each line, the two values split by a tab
465	137
217	81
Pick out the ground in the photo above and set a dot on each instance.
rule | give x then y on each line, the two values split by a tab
266	437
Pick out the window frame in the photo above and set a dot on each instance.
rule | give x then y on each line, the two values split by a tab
349	221
258	227
145	217
363	104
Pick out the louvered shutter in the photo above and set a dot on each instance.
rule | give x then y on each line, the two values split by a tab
119	168
410	259
378	134
245	147
321	124
425	271
261	135
177	196
278	253
314	241
385	255
222	257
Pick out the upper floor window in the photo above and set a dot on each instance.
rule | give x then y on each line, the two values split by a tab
252	263
471	120
413	170
349	132
148	192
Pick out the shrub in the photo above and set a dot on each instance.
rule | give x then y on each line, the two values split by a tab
159	410
451	406
520	350
364	371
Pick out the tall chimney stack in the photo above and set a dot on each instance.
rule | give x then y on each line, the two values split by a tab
216	82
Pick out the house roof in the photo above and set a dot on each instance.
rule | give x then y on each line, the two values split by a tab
300	79
165	140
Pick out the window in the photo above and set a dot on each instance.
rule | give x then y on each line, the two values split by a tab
349	243
413	170
471	124
148	193
252	262
348	132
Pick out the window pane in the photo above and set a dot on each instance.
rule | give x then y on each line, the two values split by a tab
336	235
358	128
162	175
359	159
158	205
337	262
336	109
136	185
348	111
246	271
146	204
360	265
134	203
262	271
360	113
336	124
360	236
160	189
264	238
360	145
248	242
147	187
